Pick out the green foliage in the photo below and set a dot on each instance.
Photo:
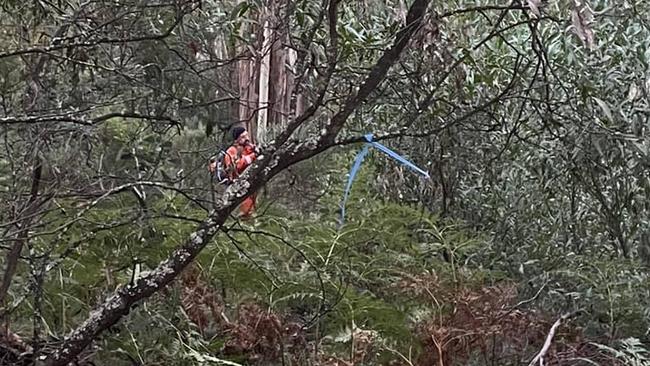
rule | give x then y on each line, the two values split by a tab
535	138
630	351
298	267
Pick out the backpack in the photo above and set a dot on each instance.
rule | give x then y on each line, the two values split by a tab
224	171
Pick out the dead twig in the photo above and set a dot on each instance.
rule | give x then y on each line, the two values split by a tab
549	338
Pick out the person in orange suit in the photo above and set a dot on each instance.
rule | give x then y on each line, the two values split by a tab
238	157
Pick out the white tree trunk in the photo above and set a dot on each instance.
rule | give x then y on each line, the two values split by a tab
265	69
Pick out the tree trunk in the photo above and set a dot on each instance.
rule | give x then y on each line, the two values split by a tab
247	93
292	57
265	86
247	74
281	81
279	103
265	65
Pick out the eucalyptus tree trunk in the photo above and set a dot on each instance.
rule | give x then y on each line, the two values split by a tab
281	77
246	76
247	85
263	78
263	75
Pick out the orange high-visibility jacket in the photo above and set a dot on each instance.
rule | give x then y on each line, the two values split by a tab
235	157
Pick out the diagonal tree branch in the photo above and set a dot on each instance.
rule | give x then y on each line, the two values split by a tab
378	72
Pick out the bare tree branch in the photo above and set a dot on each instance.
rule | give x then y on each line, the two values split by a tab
14	253
549	338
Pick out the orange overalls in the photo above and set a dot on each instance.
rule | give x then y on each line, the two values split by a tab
243	156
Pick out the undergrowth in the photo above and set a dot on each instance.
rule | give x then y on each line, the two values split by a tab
394	285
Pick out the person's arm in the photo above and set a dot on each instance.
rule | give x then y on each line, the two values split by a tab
245	160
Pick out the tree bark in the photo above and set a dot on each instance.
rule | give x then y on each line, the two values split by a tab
280	81
265	85
263	80
247	93
247	72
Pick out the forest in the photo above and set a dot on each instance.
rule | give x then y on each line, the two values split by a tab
511	225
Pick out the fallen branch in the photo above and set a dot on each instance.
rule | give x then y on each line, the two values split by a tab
549	338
